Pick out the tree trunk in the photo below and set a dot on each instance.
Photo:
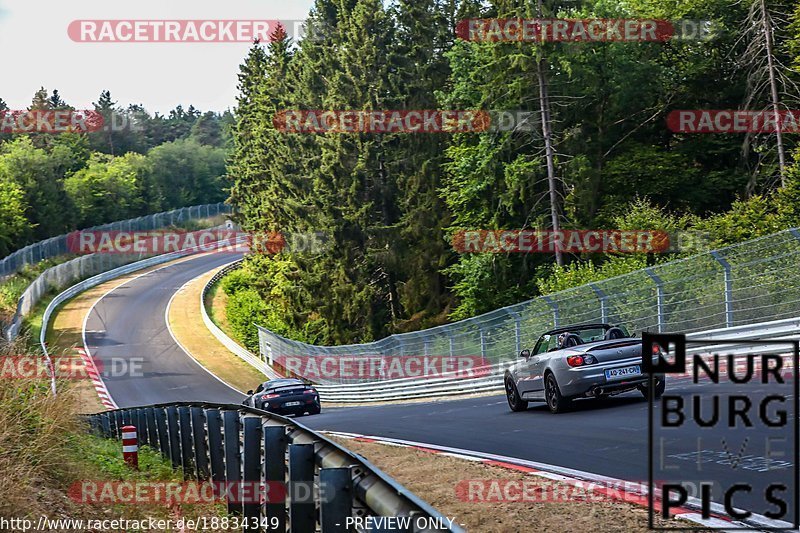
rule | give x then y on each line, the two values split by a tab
774	90
544	106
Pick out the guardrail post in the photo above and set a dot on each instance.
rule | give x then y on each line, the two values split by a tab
141	426
163	434
185	423
554	306
728	287
301	487
215	449
251	450
452	342
200	448
603	298
174	436
152	431
659	297
275	442
483	344
105	425
233	460
112	425
336	499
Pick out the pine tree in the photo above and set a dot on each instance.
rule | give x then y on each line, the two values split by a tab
243	169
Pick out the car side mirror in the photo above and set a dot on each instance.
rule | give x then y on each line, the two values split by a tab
525	353
249	392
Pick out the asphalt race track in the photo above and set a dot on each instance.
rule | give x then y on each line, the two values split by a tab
607	437
128	324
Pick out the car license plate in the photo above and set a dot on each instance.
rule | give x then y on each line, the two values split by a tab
614	373
291	404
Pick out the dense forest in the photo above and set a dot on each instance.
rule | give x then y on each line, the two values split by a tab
606	158
54	183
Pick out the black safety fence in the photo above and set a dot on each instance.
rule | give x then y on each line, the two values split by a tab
274	473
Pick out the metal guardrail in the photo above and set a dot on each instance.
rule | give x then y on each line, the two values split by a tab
406	389
54	246
248	356
490	378
751	282
234	444
88	265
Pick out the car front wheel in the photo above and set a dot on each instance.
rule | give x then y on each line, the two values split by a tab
514	401
555	401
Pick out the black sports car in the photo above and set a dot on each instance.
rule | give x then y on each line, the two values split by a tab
288	396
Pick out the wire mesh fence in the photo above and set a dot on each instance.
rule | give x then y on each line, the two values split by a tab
754	281
85	266
56	246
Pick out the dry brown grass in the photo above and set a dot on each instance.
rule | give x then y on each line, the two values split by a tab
45	449
413	468
32	429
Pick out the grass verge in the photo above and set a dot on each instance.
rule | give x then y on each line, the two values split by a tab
186	323
46	456
448	492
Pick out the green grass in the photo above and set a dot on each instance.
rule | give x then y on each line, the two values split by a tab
104	456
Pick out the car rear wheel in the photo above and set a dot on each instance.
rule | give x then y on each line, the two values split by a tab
555	401
661	386
514	401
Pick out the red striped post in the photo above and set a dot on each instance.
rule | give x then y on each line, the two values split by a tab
130	446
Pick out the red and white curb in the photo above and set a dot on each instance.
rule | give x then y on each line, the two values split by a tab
97	380
605	487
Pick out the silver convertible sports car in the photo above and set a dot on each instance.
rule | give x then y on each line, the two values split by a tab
589	361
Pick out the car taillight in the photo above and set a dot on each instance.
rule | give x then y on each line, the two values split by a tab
268	396
575	360
309	391
580	360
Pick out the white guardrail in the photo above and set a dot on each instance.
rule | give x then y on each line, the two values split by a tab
490	378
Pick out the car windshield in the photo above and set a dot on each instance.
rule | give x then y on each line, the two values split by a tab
281	383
